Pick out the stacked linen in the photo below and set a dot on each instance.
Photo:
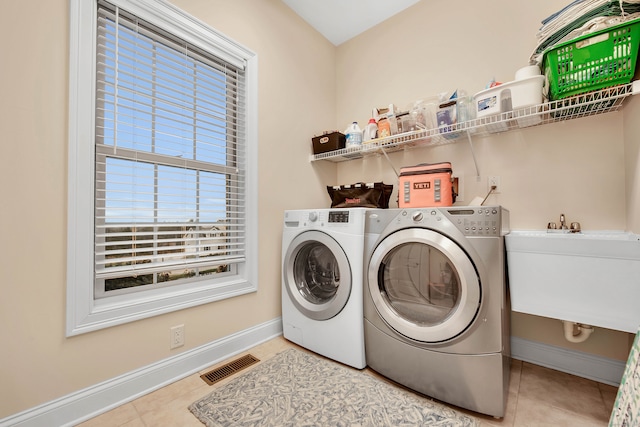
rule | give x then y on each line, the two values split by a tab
582	17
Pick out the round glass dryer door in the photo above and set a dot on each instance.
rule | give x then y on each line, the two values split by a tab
317	275
424	285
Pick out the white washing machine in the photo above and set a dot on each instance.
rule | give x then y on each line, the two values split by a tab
322	279
436	304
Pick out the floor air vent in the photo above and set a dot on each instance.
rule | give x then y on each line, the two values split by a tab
229	369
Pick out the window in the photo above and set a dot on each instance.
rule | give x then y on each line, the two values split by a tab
161	164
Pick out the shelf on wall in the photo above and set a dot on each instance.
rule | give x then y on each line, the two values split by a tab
588	104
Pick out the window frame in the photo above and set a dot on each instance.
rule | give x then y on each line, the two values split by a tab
86	313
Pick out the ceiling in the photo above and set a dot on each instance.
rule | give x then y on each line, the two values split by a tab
340	20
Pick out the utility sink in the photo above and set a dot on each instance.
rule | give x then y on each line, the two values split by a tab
585	277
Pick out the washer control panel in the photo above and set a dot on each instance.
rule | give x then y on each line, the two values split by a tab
338	216
334	218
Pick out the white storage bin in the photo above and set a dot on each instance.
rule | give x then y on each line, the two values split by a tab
515	95
492	101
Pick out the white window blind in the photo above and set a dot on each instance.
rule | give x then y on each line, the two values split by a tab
169	159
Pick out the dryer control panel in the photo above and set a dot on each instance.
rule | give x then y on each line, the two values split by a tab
478	220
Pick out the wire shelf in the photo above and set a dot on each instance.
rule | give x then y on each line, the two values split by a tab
584	105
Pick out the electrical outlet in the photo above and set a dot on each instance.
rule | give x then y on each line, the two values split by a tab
176	336
458	187
494	180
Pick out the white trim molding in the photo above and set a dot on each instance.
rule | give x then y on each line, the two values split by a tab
95	400
85	313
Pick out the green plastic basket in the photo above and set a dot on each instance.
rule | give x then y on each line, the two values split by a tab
594	61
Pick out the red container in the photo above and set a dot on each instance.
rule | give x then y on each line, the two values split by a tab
426	185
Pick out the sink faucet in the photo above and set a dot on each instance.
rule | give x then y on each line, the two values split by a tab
574	228
563	223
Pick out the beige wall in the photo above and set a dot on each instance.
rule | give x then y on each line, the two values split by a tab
297	97
632	162
575	167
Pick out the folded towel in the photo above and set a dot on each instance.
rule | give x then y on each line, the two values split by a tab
597	24
582	17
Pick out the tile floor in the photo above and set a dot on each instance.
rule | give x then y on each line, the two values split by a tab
537	397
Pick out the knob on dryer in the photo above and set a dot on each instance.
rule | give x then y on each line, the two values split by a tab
313	216
417	216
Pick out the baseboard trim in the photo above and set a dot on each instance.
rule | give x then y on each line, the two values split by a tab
85	404
585	365
90	402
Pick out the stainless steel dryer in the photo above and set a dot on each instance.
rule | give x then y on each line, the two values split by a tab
436	304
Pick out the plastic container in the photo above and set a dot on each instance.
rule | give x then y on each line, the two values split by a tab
527	92
371	131
424	113
353	135
408	123
447	118
392	119
493	101
466	110
515	95
528	71
594	61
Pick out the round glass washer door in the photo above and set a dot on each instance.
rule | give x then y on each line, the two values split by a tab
317	275
424	285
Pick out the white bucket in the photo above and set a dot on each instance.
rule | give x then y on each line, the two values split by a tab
527	91
528	71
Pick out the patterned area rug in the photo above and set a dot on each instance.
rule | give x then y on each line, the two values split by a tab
298	389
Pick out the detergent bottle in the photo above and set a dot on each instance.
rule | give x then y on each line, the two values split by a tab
371	131
353	135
